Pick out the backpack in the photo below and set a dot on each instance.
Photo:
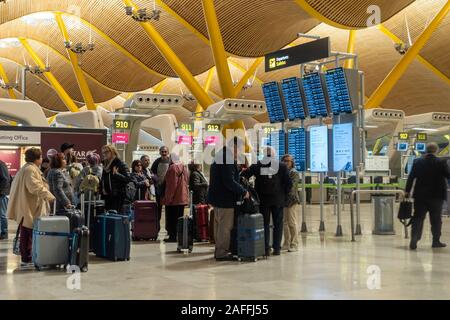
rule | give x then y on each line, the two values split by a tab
130	191
90	183
73	171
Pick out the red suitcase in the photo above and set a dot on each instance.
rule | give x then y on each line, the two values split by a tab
202	213
146	223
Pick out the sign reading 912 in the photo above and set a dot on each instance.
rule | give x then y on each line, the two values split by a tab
122	124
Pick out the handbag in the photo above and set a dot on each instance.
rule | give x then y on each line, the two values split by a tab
16	241
405	212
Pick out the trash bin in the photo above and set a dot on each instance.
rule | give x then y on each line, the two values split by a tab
384	214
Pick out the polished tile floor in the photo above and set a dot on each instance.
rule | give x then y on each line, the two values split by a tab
325	267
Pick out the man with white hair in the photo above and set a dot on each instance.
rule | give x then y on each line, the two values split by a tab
272	184
430	191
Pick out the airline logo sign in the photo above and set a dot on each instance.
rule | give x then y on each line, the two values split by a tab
310	51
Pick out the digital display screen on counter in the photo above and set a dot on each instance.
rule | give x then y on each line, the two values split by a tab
318	148
274	102
297	147
421	147
338	92
314	95
402	146
343	147
293	99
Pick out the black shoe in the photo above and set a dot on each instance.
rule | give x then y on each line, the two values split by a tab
276	252
438	244
413	245
268	252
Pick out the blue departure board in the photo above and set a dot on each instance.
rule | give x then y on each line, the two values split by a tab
295	107
297	147
315	96
338	92
274	103
277	140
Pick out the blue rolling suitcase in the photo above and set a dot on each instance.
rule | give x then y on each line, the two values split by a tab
250	236
112	237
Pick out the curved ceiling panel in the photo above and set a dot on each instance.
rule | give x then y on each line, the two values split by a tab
37	89
351	13
60	68
250	28
106	64
419	14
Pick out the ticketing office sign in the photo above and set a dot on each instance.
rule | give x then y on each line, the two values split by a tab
307	52
17	138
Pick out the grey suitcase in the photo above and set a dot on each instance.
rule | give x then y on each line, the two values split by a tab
250	235
51	242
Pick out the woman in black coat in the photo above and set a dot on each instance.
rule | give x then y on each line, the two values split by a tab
115	178
197	184
140	180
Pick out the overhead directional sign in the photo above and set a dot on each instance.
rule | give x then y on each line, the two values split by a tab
307	52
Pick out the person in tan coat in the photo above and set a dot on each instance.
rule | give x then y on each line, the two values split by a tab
29	199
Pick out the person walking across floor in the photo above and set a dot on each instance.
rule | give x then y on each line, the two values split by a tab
5	186
272	184
223	193
292	206
115	178
175	195
159	169
29	199
430	191
59	183
140	180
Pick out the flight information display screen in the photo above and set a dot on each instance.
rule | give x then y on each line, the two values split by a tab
315	96
343	147
295	107
297	147
277	140
338	93
274	103
318	146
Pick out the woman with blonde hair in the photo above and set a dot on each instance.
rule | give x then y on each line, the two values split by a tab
115	178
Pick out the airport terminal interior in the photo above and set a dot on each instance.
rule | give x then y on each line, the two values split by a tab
356	92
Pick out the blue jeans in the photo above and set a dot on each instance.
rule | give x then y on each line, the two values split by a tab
277	218
3	218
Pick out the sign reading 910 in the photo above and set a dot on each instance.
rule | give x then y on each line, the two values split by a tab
122	124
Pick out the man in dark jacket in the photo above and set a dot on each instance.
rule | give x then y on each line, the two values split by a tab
5	186
430	191
223	193
159	169
272	184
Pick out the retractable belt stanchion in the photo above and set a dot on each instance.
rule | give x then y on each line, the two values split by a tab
339	197
304	227
322	200
359	167
355	192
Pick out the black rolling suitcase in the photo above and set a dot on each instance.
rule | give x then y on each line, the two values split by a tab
185	230
79	248
90	209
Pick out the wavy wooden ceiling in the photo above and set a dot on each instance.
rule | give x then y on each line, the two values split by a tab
353	13
437	49
249	28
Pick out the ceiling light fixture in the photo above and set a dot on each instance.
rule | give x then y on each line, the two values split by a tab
141	15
